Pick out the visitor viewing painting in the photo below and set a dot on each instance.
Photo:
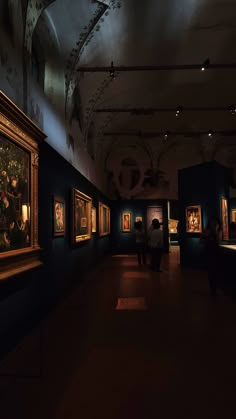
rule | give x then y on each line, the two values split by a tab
193	219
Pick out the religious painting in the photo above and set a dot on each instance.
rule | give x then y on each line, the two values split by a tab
14	196
193	219
224	219
104	219
19	138
81	216
233	215
154	212
59	216
94	220
137	219
126	222
173	226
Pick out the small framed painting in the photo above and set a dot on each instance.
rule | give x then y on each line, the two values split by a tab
137	219
59	216
104	219
193	219
233	215
81	216
94	220
126	222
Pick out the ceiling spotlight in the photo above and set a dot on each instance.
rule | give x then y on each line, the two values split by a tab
232	109
179	109
210	133
166	135
112	71
205	64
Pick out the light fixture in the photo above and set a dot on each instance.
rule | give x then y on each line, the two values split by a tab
232	109
112	71
210	133
205	64
166	135
179	109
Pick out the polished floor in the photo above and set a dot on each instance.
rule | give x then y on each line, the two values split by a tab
128	344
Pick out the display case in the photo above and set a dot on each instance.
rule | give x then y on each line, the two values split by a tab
19	139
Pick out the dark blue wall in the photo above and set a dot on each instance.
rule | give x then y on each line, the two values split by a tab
204	185
27	297
124	242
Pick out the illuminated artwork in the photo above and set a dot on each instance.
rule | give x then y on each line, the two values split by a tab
126	222
193	219
104	219
59	216
173	224
233	215
81	207
224	219
138	219
94	220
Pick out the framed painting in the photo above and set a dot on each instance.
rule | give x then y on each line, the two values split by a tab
104	219
193	219
59	216
126	222
19	152
224	219
94	220
138	219
81	216
233	215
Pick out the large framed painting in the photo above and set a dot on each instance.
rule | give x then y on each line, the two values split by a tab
81	216
126	222
59	216
224	219
193	219
104	219
19	138
94	220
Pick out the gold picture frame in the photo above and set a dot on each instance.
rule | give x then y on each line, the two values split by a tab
233	215
104	219
224	219
59	216
94	220
193	219
81	216
126	222
19	138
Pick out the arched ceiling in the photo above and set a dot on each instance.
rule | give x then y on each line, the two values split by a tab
149	33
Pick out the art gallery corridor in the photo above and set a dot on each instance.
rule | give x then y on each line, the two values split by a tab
128	343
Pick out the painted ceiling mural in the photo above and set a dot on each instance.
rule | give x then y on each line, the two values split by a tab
126	91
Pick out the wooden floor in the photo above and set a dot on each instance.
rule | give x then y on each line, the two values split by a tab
128	344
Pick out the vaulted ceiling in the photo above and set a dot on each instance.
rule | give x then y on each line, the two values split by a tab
151	33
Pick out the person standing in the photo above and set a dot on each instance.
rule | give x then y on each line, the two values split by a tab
210	239
156	245
140	240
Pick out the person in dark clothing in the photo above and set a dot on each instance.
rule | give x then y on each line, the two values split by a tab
156	244
210	239
140	240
